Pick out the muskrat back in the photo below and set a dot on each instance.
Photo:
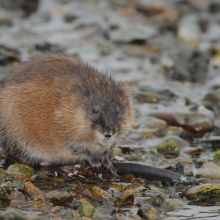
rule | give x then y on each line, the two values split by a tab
58	109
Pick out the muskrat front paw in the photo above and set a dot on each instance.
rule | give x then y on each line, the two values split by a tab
94	164
107	163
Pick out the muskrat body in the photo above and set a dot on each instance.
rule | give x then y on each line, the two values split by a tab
58	109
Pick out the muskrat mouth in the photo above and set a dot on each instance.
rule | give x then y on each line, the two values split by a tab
105	141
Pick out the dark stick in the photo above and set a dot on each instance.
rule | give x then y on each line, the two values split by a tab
153	173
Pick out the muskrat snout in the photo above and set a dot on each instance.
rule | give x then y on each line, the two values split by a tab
108	134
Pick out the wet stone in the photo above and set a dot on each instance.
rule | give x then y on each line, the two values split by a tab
152	122
172	130
18	184
147	98
34	192
169	147
117	151
8	56
191	123
135	136
41	206
105	49
143	200
12	214
70	18
67	214
125	198
131	217
204	181
59	198
209	170
164	191
100	193
136	188
20	170
201	191
132	34
5	198
75	214
118	186
178	168
148	212
2	173
104	212
189	65
87	209
217	157
181	142
44	47
173	203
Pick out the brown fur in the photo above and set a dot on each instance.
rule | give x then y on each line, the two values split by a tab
42	113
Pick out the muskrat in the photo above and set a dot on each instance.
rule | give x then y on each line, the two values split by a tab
58	109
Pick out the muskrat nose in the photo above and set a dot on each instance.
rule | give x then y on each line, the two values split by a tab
108	134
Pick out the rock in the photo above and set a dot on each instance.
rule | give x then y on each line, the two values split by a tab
147	98
118	186
100	193
181	142
67	214
204	181
5	198
173	203
87	209
117	151
201	191
189	65
188	30
59	198
135	51
152	122
105	48
148	212
124	198
164	191
216	157
104	212
46	46
136	189
2	173
34	192
75	214
132	34
8	56
70	18
178	168
173	130
209	170
169	147
191	123
20	170
38	206
19	184
12	214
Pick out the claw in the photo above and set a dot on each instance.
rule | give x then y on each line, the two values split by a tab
107	163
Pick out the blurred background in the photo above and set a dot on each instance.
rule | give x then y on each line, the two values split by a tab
132	39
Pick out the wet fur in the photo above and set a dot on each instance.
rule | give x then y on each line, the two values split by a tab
47	110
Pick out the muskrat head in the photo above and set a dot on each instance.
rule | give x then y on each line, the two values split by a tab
110	112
